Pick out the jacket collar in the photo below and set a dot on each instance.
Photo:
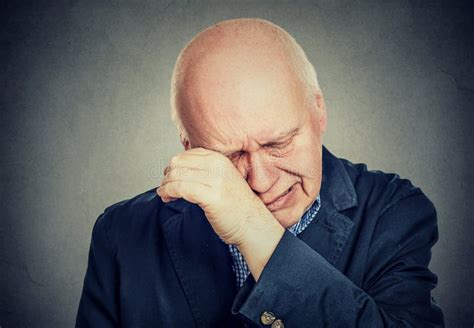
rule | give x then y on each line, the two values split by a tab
336	186
203	262
330	229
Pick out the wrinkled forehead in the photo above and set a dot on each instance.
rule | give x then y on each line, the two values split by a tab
234	124
255	99
230	135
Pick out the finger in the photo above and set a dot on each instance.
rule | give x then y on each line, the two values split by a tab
166	199
200	151
195	160
193	192
182	160
187	174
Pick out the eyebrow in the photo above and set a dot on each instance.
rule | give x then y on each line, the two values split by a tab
281	137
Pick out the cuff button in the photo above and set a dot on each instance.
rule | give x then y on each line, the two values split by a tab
267	318
278	324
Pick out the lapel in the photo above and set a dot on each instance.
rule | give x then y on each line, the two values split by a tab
330	229
203	262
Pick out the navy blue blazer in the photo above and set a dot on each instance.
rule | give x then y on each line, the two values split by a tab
362	262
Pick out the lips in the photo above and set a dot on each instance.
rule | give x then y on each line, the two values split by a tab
277	198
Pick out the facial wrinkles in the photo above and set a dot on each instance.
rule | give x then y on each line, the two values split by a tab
303	144
276	156
271	175
222	136
243	94
284	167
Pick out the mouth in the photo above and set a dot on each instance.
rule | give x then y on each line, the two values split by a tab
282	199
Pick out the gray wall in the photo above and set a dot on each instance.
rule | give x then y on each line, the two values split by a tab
85	123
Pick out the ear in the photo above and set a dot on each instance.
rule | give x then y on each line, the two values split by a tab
322	114
185	142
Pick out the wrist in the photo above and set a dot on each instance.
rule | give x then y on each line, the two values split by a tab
259	243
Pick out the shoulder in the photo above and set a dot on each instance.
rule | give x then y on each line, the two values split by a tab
139	206
119	220
375	187
397	212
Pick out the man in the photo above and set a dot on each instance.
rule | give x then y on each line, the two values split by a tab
256	223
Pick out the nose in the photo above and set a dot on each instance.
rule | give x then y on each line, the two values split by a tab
260	172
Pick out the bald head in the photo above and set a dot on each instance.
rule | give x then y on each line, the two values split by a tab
244	88
235	60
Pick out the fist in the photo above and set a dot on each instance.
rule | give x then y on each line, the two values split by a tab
210	180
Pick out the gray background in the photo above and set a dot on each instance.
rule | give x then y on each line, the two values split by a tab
85	123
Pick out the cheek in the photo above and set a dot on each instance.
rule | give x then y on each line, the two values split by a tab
313	174
304	162
307	165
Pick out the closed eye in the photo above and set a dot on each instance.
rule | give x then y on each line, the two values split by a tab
235	155
280	149
280	145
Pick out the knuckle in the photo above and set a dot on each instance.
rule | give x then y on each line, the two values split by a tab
174	160
214	198
166	171
183	188
172	173
180	172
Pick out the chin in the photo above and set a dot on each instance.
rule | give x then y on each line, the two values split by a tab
287	216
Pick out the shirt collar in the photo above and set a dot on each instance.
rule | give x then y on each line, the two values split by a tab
307	217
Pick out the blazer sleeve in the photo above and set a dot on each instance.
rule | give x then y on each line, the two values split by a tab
302	289
98	306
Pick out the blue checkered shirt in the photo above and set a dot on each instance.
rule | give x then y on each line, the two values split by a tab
240	266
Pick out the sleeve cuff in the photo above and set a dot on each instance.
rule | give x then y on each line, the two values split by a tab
277	291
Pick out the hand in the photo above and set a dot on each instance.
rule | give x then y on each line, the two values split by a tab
209	179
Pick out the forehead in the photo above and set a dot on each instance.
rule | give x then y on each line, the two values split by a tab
228	103
229	132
